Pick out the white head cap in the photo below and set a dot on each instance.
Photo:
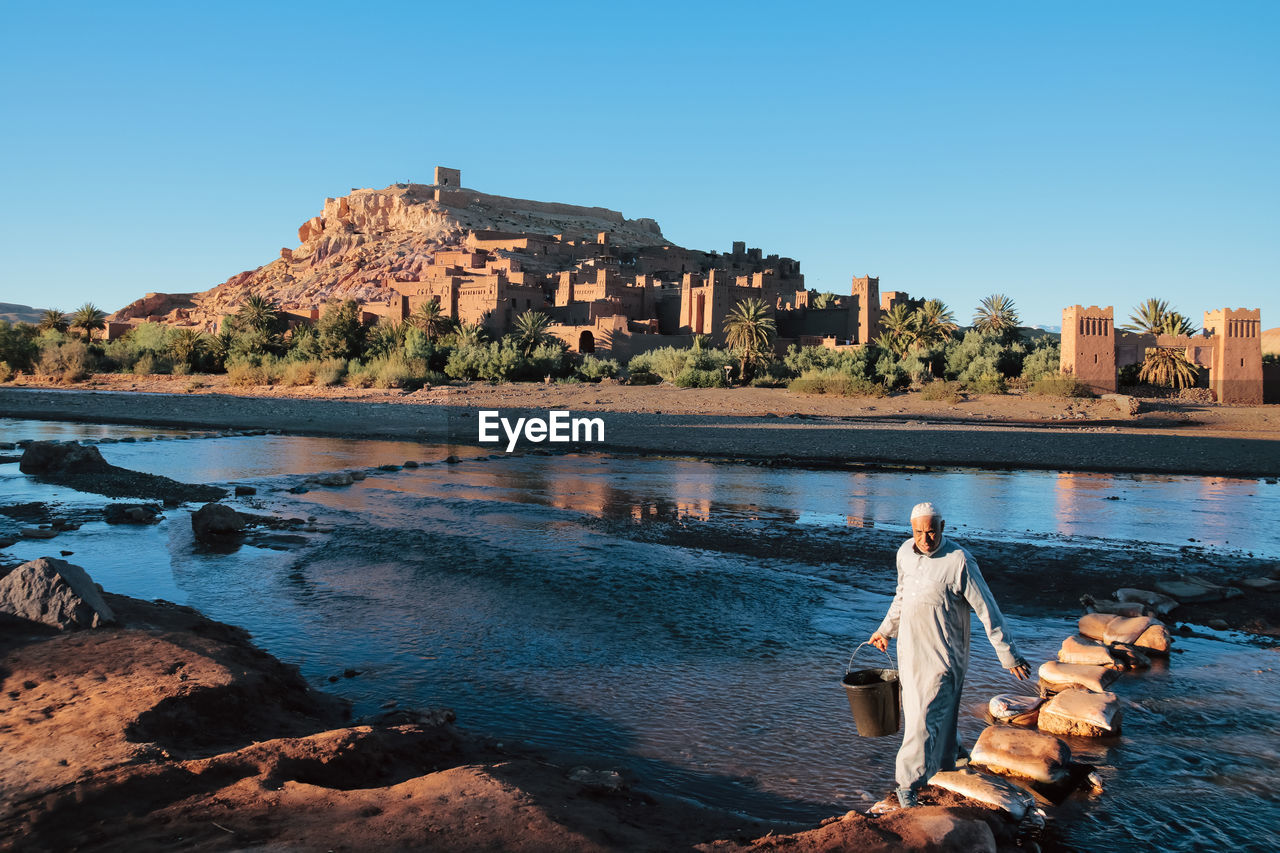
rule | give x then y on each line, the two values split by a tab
924	510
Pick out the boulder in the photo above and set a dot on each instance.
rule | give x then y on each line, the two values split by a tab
1112	607
38	533
216	523
1126	629
1019	752
1126	404
54	592
54	457
245	491
935	829
1155	639
1081	713
338	478
1094	625
1261	584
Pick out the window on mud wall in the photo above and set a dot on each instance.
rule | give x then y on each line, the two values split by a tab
1095	358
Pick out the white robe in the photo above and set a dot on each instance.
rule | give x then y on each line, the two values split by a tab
930	617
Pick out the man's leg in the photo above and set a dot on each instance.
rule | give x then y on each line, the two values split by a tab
922	718
949	748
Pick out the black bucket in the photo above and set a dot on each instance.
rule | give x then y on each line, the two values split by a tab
875	697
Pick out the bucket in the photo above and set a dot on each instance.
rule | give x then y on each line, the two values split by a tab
875	697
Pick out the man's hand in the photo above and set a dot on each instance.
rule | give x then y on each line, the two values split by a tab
1020	672
880	641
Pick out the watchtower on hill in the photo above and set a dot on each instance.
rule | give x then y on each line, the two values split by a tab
1089	346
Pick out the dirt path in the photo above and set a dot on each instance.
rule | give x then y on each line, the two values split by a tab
751	423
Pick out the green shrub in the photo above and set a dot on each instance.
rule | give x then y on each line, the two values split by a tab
1060	385
942	391
180	369
360	374
857	362
6	372
979	354
147	365
594	369
1045	359
987	383
299	373
18	346
260	370
70	361
837	383
330	371
693	377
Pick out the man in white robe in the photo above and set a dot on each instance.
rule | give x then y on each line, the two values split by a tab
938	586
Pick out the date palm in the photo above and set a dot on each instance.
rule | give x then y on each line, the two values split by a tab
1176	324
52	319
1149	317
256	313
900	328
934	324
185	345
823	300
996	313
749	329
531	331
88	318
429	319
470	334
1168	367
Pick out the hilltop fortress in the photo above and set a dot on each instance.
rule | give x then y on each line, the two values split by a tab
610	284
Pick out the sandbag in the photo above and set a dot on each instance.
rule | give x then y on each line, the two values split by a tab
1129	657
1082	650
1060	676
1116	608
1155	639
1015	710
1094	625
988	789
1160	605
1124	630
1082	713
1018	752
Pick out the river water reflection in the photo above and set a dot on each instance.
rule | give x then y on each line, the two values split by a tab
527	594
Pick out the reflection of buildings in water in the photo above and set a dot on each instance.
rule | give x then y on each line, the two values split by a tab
700	510
858	521
1075	495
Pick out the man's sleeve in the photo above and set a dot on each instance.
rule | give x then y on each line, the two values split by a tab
889	627
978	594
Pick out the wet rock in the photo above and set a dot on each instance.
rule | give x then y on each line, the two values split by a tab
337	478
1261	584
51	457
388	468
54	592
245	491
1157	603
1218	624
131	513
941	831
350	673
37	533
61	524
357	475
216	523
409	463
452	460
1019	752
606	781
1189	589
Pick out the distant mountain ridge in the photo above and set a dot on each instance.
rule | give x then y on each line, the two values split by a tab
15	313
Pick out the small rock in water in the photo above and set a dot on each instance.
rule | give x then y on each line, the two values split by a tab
410	464
388	467
350	673
597	780
452	460
338	478
1218	624
37	533
390	703
244	491
216	522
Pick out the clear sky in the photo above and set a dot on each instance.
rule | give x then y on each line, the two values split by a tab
1057	152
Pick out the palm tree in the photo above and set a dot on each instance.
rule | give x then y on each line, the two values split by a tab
88	318
52	318
185	345
996	313
1176	324
823	300
900	327
1168	367
934	324
1149	317
256	313
470	334
429	320
749	329
531	331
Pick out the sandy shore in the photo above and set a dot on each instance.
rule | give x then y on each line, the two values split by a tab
1003	431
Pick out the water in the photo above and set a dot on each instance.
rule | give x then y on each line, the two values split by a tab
647	611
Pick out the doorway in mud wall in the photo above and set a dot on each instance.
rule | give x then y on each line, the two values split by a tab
586	342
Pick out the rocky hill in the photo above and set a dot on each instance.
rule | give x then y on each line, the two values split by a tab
359	241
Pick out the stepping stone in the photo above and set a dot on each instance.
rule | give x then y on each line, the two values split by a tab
37	533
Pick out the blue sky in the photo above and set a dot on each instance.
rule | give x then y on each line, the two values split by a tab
1091	152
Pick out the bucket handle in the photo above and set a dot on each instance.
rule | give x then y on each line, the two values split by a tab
849	667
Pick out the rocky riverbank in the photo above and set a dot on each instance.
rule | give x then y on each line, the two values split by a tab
164	729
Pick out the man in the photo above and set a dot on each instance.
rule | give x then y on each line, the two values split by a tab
938	584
